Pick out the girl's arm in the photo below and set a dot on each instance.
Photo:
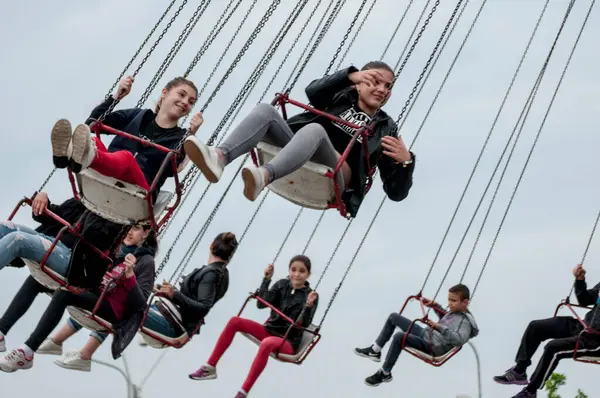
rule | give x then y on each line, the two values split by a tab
320	92
205	296
271	295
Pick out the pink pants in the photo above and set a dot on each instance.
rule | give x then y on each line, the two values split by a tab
120	165
269	344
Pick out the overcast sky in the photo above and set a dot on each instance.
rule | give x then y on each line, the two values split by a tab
59	61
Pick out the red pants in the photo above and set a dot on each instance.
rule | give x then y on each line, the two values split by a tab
269	344
120	165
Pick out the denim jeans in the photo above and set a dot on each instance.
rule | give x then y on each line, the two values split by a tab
76	326
159	324
21	241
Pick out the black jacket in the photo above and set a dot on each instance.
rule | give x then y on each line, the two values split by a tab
290	301
199	292
126	329
134	121
586	298
70	211
334	94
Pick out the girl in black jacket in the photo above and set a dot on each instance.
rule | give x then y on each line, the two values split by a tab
289	295
128	292
198	293
352	95
125	159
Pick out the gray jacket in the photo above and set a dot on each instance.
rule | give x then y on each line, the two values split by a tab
456	328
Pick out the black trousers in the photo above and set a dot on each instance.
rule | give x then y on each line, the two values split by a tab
564	332
53	314
20	303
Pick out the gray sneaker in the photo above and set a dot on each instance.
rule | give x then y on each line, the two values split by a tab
511	376
49	347
73	361
204	373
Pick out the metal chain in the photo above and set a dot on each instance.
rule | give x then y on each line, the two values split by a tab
162	17
183	35
242	52
358	30
544	67
397	67
287	235
589	243
437	45
212	35
389	43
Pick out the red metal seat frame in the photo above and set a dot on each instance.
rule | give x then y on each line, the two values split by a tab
293	325
587	330
424	320
364	132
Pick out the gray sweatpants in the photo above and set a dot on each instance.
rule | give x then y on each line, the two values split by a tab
264	123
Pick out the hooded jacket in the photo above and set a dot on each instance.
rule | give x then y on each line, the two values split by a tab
456	328
199	292
334	94
126	329
587	297
135	121
290	302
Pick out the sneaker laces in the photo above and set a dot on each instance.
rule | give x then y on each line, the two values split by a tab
13	355
72	356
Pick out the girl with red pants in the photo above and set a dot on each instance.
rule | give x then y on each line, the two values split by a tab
126	159
288	295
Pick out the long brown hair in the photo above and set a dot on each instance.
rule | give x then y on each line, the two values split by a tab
178	81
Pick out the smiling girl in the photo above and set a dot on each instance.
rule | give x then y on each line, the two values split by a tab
288	295
126	159
352	95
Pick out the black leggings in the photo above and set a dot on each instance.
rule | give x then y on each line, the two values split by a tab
20	303
53	314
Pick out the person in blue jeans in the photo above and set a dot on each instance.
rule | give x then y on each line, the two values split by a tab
20	241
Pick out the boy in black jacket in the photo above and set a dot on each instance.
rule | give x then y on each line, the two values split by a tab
564	332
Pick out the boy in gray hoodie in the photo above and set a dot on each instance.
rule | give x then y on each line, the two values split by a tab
454	329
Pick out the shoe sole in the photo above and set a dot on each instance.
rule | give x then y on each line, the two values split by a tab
515	382
249	184
195	154
65	366
60	138
374	359
383	381
56	353
213	377
81	147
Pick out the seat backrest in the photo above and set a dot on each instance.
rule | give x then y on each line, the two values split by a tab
162	201
171	308
307	338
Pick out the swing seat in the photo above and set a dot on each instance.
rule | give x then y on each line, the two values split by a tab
160	341
84	318
433	360
118	201
42	277
309	186
310	338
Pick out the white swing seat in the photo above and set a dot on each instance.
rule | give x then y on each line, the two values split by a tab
307	341
118	201
44	279
590	358
83	317
308	186
171	341
429	357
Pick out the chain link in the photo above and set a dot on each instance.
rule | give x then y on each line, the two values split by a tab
389	43
360	26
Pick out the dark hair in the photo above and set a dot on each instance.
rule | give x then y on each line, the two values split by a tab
302	259
462	291
378	65
151	241
178	81
224	245
17	263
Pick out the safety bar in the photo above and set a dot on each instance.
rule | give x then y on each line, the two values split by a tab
293	324
435	362
587	329
97	127
178	342
75	230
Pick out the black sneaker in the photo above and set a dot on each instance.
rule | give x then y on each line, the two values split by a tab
378	378
511	376
368	353
526	394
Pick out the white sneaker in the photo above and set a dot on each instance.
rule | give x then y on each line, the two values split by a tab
49	347
2	344
254	182
84	148
73	361
15	360
61	139
204	157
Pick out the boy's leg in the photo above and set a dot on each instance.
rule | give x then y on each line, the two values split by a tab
537	332
394	320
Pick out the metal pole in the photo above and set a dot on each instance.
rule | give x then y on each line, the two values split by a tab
131	389
478	368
